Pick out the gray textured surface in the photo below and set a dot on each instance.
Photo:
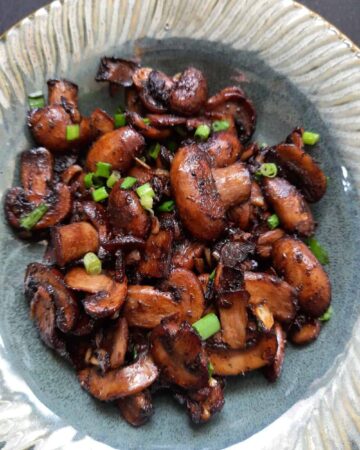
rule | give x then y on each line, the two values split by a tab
344	14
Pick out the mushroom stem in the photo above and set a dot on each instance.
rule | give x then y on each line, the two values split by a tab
233	184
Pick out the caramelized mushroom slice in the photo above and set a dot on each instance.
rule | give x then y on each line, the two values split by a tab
120	382
155	261
114	343
154	88
234	318
266	240
190	92
278	295
96	213
36	166
136	409
67	310
304	331
73	241
118	148
146	306
233	184
272	372
63	92
166	120
294	214
133	102
108	295
237	362
293	260
178	352
116	70
223	148
185	253
145	129
100	123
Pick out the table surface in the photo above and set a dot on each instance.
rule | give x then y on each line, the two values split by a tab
344	14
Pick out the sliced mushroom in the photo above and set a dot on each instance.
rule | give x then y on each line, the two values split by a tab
279	296
293	260
133	102
63	92
234	318
190	92
166	120
146	129
304	331
185	253
233	184
117	71
236	362
266	240
108	295
120	382
100	123
96	213
118	148
178	352
113	342
154	88
294	213
36	166
136	409
273	371
73	241
67	310
156	258
223	148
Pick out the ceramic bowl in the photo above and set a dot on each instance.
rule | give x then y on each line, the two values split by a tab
298	70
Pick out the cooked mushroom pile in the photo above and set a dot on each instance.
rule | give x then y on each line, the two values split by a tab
179	251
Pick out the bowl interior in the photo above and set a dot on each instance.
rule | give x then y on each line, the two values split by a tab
251	402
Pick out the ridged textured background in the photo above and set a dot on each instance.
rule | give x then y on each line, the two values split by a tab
292	40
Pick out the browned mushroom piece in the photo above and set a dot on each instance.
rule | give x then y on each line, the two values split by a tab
126	213
154	88
189	93
71	174
235	362
204	403
120	382
223	148
146	129
107	296
73	241
279	296
146	306
84	326
273	371
234	318
112	344
118	148
155	261
293	260
266	240
166	120
304	331
116	70
63	92
136	409
300	169
67	310
178	352
133	102
263	315
100	123
233	184
96	213
184	254
233	101
294	213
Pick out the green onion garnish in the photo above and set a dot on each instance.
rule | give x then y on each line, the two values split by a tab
31	219
119	120
154	150
113	178
202	131
320	253
220	125
128	182
147	202
92	264
310	138
146	121
100	194
167	206
88	179
267	170
210	369
145	189
103	169
273	221
327	314
72	132
36	100
207	326
212	275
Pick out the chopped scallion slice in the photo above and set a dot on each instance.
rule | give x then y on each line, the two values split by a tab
113	178
103	169
36	100
212	275
320	253
145	189
220	125
154	150
92	264
310	138
167	206
202	132
147	202
267	170
72	132
207	326
273	221
30	220
210	369
100	194
146	121
88	179
119	120
327	314
128	182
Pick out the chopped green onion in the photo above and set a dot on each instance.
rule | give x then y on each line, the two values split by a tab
267	170
92	264
202	131
310	138
31	219
210	368
128	182
207	326
212	275
273	221
88	179
220	125
147	202
320	253
72	132
146	121
145	189
113	178
119	120
36	100
154	150
172	146
100	194
167	206
102	169
327	314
